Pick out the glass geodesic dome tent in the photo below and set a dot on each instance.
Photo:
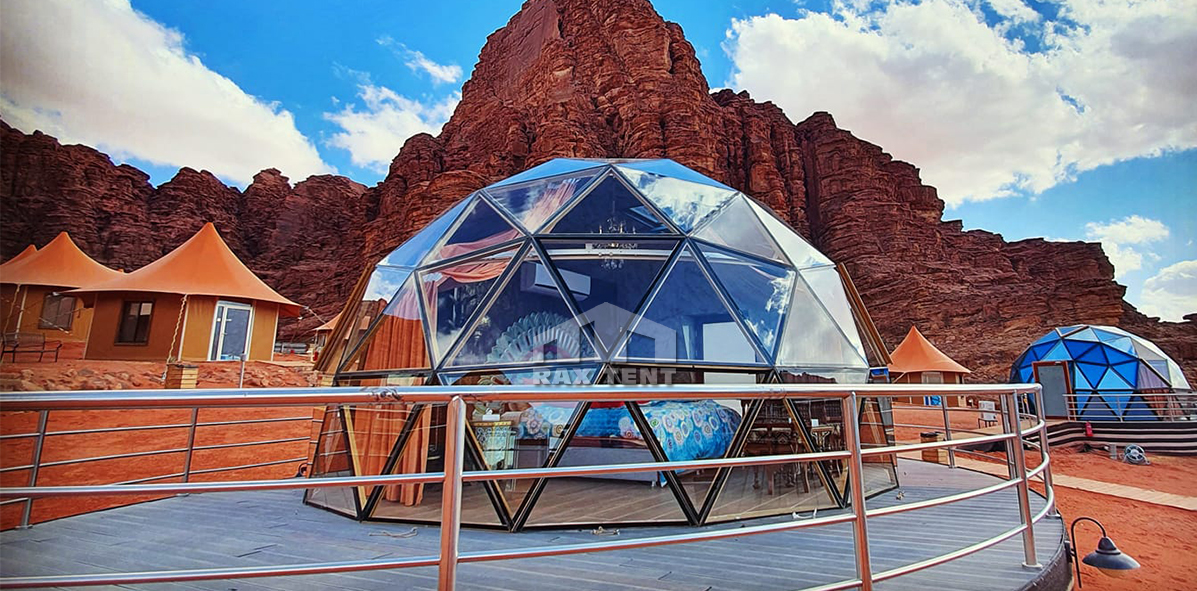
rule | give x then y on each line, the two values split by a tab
595	271
1111	373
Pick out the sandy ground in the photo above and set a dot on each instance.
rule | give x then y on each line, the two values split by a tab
1163	539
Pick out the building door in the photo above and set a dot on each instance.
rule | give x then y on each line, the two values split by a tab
230	331
1053	376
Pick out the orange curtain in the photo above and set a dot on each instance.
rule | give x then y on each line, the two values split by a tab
398	343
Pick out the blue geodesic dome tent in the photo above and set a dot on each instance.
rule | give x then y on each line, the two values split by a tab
1112	373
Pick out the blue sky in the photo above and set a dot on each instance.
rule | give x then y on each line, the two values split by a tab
1069	120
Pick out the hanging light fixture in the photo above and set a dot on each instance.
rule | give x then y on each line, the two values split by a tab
1107	558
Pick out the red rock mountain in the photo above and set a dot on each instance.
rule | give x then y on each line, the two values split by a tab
599	78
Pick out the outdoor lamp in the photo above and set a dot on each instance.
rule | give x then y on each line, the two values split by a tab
1107	557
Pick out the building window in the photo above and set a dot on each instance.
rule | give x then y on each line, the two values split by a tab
58	311
135	323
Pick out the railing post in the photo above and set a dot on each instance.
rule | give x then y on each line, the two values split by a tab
36	463
1014	419
190	447
451	493
1045	449
860	531
947	430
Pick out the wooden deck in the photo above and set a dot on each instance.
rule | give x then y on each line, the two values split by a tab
261	528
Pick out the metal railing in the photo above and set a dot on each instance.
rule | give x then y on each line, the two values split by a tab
40	437
1012	434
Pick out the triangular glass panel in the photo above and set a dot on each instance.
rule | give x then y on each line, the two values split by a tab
332	459
1082	399
1057	353
1161	367
1079	382
396	337
1050	337
796	248
528	321
413	251
1124	344
1139	410
554	167
1147	354
608	281
669	168
480	227
1085	334
1093	372
759	292
1077	348
610	208
828	286
737	227
1095	354
1118	402
1110	382
1036	351
384	283
687	320
608	434
1128	371
1149	379
781	427
812	336
1024	375
452	294
1065	330
1116	356
422	437
532	204
686	203
1177	377
1097	410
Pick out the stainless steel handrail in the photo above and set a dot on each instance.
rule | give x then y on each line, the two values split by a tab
454	476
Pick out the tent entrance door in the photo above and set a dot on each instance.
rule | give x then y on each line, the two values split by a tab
230	331
1053	376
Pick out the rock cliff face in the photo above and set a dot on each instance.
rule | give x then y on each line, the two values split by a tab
299	239
601	78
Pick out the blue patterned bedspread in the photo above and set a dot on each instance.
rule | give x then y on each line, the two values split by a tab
687	430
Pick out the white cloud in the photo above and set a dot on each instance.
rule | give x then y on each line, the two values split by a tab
1172	292
418	62
967	102
1123	241
102	74
374	134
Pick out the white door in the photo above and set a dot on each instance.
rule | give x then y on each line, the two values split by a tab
230	331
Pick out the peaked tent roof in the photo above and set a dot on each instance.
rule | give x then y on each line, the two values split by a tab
328	326
203	265
31	249
58	264
916	353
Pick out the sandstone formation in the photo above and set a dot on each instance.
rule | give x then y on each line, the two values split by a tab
600	78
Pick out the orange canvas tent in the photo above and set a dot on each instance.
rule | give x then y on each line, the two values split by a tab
32	287
197	302
917	361
21	255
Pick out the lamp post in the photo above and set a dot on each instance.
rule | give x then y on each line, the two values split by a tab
1107	558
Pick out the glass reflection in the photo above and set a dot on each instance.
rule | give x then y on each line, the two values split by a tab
528	321
687	320
685	203
608	280
759	291
534	203
453	293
